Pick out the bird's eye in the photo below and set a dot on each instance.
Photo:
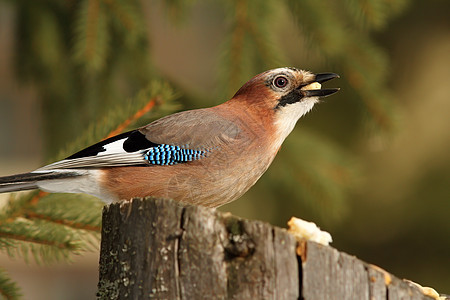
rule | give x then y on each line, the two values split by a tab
280	81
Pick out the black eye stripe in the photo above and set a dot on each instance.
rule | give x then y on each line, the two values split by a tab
293	96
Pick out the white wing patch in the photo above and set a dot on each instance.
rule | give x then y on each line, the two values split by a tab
113	156
119	152
114	147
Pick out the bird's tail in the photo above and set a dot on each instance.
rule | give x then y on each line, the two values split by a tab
28	181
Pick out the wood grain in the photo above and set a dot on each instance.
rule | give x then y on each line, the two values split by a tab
158	249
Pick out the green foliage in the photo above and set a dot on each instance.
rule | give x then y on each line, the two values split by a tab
373	13
85	57
54	227
319	171
8	288
158	91
92	36
249	46
339	32
47	242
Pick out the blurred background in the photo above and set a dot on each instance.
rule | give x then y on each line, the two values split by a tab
370	164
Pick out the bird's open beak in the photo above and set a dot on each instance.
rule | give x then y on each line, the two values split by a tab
314	89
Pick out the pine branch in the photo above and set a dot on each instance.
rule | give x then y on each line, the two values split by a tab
21	230
8	288
47	242
364	64
151	103
237	43
35	199
338	31
373	14
16	206
69	210
125	13
127	19
39	241
250	47
53	226
69	58
156	95
265	45
91	35
30	215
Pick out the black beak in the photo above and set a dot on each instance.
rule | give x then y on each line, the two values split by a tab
320	78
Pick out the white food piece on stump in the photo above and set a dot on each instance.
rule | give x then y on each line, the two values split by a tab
304	230
427	291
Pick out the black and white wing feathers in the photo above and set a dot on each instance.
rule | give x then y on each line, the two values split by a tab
126	149
178	138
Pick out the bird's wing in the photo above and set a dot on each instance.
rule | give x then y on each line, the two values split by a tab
194	129
174	139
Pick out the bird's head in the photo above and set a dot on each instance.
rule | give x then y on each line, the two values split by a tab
284	95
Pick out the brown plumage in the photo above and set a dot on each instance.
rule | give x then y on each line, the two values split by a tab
225	174
239	139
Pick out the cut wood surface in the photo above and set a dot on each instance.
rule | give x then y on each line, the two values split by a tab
158	249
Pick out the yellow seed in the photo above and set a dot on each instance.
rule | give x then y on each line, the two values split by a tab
312	86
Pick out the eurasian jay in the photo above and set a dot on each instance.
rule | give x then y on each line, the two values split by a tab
208	156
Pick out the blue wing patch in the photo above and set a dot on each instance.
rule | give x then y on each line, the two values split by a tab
171	155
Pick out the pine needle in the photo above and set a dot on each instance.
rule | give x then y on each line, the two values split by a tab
134	118
8	288
156	95
91	35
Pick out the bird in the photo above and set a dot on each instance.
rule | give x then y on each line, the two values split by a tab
208	156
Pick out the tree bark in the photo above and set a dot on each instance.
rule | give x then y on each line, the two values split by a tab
158	249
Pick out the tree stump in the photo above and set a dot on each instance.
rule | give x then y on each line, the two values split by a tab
158	249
